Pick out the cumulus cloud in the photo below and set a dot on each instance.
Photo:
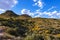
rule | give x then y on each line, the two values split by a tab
33	14
51	14
2	10
38	3
26	11
7	4
38	13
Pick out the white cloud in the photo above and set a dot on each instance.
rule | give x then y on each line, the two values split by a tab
34	0
15	1
51	8
50	13
47	13
2	10
38	3
52	17
58	14
7	4
26	11
38	13
54	12
33	14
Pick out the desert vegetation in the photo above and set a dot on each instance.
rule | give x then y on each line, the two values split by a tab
24	27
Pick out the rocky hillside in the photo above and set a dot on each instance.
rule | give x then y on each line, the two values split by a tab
28	28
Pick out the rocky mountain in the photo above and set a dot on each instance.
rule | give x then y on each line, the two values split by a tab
25	15
28	28
9	13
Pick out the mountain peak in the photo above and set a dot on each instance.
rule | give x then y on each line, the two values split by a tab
25	15
9	13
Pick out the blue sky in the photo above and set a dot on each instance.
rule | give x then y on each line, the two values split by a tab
34	8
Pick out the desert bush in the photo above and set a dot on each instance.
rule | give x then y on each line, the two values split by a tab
34	37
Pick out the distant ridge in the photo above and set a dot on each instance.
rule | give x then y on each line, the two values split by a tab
25	15
10	13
